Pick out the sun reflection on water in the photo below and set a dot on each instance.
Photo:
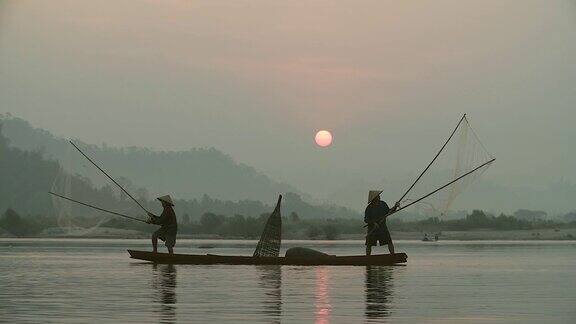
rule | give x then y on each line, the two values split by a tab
322	296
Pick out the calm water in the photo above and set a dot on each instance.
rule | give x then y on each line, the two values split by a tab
79	281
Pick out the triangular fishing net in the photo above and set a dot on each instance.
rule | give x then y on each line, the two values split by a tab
460	161
63	185
269	244
72	181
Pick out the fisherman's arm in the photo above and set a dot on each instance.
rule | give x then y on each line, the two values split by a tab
370	221
153	219
388	213
374	222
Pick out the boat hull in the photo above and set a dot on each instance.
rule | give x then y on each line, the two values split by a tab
354	260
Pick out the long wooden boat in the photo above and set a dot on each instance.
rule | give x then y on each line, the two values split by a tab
353	260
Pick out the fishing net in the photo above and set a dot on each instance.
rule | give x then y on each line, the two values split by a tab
460	162
73	180
63	185
269	244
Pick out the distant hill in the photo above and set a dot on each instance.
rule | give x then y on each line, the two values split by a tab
185	174
28	171
26	178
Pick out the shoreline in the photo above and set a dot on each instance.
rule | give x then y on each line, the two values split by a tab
476	235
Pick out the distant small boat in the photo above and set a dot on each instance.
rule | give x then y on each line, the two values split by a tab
353	260
427	238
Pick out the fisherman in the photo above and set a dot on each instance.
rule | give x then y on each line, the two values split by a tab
375	216
167	221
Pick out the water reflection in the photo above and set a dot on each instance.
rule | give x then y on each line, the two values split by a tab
164	284
322	296
271	283
378	291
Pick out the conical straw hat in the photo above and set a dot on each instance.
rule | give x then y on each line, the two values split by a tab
166	199
373	194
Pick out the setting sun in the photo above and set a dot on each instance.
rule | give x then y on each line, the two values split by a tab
323	138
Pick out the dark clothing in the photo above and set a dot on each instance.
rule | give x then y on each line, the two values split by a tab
383	238
169	226
376	213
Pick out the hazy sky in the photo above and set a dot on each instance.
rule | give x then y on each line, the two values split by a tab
256	79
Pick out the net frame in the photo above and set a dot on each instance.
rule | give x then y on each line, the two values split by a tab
271	237
468	158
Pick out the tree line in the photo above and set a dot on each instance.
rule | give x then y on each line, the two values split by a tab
293	226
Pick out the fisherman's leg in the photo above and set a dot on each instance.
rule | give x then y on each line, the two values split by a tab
368	245
155	242
170	243
391	247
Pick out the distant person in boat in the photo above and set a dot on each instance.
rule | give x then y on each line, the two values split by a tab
167	221
375	216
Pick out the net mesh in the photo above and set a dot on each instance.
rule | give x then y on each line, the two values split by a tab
269	244
461	162
63	184
74	181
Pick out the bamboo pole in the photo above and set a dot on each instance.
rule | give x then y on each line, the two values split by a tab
109	177
97	208
434	159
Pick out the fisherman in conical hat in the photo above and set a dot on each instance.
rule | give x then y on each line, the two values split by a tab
375	216
167	221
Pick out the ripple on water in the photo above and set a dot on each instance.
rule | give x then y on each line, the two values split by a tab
95	281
